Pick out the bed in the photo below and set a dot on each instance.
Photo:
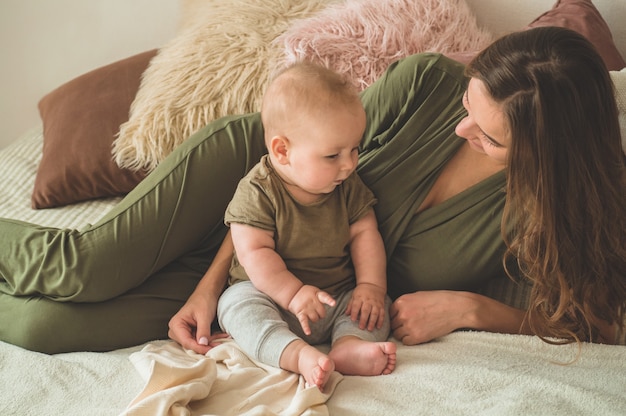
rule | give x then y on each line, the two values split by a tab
55	177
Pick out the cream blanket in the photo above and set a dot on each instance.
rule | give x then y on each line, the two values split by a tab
224	382
464	373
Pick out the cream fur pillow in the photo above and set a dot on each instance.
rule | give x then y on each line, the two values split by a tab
361	38
619	79
217	65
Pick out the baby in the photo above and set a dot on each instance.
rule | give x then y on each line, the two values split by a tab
309	262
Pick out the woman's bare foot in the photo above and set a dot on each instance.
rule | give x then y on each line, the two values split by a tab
306	360
356	357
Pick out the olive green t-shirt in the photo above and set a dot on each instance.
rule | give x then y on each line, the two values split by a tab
312	239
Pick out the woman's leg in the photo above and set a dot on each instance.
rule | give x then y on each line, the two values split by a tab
139	315
166	216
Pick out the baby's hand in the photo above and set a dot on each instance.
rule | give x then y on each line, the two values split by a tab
367	305
308	304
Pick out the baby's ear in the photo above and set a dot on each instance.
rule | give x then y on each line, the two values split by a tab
279	148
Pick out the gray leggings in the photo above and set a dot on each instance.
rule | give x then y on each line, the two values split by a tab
263	329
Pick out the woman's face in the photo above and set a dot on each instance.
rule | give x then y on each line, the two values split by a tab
485	127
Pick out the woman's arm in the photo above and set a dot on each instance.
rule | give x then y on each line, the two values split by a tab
423	316
191	326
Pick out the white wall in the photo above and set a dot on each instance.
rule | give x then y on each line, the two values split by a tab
44	43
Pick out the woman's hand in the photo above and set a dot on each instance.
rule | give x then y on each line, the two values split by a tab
423	316
191	326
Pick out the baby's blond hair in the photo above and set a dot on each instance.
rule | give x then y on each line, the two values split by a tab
303	89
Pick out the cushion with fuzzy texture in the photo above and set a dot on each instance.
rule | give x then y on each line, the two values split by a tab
80	121
218	64
583	17
361	38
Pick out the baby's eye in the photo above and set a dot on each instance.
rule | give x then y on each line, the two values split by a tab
332	156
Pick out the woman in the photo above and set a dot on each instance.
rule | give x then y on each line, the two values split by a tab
532	111
551	141
565	183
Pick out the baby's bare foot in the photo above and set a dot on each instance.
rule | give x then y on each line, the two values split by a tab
315	366
354	356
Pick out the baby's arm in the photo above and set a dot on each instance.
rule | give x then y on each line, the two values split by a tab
368	256
268	272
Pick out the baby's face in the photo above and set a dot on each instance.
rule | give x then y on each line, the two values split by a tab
325	151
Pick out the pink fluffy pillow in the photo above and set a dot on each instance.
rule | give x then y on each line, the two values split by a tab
361	38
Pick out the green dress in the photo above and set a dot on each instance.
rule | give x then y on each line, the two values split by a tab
412	113
117	283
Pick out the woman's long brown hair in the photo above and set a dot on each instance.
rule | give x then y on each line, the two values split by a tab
565	214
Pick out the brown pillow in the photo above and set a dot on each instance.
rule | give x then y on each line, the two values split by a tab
80	121
583	17
580	16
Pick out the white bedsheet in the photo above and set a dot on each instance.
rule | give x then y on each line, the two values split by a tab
464	373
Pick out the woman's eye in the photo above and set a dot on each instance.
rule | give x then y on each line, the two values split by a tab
489	141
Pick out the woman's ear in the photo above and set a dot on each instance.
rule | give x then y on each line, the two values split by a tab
279	149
